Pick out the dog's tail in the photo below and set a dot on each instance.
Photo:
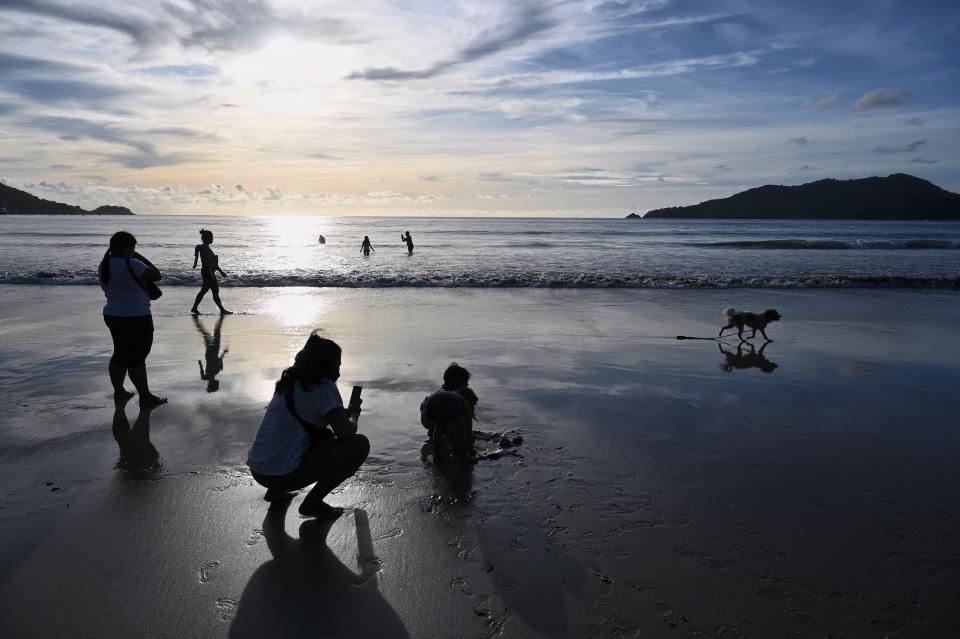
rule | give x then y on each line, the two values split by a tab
729	313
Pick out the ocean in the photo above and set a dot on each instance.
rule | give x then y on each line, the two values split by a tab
497	252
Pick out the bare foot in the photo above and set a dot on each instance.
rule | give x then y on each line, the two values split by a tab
321	510
224	311
194	311
152	401
122	395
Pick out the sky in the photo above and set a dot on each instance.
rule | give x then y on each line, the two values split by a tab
469	108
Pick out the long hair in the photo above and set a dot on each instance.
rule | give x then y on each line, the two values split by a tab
119	243
315	362
455	376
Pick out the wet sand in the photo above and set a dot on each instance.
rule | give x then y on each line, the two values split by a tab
663	488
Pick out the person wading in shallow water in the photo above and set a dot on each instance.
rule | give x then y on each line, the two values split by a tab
306	435
409	240
209	265
127	314
366	247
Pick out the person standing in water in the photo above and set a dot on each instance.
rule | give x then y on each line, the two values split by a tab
366	247
209	265
409	240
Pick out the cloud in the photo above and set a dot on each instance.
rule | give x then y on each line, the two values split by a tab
496	176
909	148
802	140
663	69
188	71
527	22
916	121
824	102
431	178
213	25
53	91
880	98
143	32
922	161
144	154
11	63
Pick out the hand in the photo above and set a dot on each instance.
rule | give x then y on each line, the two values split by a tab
354	409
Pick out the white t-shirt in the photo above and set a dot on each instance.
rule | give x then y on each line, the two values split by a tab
281	439
125	298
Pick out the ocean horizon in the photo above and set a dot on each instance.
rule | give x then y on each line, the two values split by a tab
283	251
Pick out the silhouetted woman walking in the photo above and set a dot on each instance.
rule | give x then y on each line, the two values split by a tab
123	272
209	266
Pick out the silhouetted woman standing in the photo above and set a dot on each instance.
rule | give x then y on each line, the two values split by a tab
366	247
409	240
127	314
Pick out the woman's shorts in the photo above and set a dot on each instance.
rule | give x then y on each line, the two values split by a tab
132	339
210	280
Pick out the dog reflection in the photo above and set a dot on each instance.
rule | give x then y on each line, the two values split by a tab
751	359
212	354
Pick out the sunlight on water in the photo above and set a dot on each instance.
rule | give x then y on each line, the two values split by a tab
292	309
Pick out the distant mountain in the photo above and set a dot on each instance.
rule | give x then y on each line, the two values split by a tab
14	201
895	197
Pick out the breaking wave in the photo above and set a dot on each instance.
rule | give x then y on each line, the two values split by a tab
511	280
830	244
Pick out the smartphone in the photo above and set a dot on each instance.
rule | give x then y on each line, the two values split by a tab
355	396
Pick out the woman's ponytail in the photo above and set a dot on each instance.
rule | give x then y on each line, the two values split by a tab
104	269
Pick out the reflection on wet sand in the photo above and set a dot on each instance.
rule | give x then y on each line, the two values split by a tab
751	359
211	353
138	456
305	590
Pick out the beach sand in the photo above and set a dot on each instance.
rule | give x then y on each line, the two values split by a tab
655	494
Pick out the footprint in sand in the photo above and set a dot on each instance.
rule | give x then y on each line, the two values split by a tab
393	532
254	537
206	571
225	607
460	585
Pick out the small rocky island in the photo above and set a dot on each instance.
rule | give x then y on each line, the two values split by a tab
16	202
895	197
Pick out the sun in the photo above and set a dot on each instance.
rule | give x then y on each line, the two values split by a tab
290	63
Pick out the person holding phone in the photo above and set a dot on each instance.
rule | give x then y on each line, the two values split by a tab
122	272
307	436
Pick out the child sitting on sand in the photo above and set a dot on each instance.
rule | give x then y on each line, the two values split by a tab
448	415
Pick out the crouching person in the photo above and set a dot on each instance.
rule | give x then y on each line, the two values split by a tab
307	436
448	416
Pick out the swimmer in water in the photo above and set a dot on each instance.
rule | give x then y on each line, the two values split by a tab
366	247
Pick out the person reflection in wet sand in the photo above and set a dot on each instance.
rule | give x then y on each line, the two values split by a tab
752	359
137	452
306	590
211	353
